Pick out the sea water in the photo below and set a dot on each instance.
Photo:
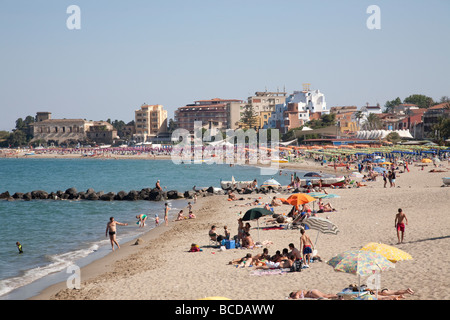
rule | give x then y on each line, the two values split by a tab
56	234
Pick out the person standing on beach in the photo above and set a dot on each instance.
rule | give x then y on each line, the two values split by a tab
399	225
166	213
111	229
307	245
393	179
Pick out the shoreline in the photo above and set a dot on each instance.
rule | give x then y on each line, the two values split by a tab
163	254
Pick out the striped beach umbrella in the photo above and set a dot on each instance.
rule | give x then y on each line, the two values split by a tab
391	253
322	225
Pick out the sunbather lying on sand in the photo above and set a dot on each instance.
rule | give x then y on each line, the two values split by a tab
283	264
313	294
390	293
243	262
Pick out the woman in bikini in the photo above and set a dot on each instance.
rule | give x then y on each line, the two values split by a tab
313	294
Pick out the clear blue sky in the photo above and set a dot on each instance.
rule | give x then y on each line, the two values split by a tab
174	52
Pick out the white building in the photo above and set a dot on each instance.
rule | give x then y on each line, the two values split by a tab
298	109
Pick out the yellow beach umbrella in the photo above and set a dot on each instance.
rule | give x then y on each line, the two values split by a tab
391	253
426	160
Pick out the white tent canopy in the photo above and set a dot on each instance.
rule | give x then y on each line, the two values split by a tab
382	134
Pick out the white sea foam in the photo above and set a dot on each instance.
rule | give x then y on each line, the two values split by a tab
57	263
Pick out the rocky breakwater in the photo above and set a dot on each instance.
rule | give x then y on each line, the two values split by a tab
92	195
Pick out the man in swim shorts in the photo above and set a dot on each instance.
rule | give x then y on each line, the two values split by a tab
399	225
111	229
307	245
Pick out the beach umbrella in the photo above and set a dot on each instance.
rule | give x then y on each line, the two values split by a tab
426	160
393	254
356	175
271	183
321	225
360	262
255	214
330	196
379	169
317	195
299	199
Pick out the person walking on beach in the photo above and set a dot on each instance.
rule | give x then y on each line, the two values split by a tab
111	229
306	244
399	225
166	213
156	220
393	178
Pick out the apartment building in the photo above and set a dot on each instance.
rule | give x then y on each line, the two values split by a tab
216	110
150	121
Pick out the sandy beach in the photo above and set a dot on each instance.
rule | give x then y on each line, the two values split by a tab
161	268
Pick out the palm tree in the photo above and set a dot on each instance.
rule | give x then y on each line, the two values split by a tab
373	122
358	116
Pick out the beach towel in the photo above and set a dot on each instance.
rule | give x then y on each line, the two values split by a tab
273	228
261	272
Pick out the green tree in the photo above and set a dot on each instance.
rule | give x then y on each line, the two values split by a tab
17	138
441	130
420	100
389	105
393	137
171	126
373	122
249	117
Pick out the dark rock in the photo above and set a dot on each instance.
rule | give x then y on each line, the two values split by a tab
72	192
100	194
108	196
174	194
133	195
39	194
144	194
89	191
65	196
120	195
18	195
189	194
157	195
82	195
91	196
53	196
5	195
27	196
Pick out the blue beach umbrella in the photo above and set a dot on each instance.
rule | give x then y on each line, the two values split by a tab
379	169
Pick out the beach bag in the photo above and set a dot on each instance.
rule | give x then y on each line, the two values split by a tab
296	266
